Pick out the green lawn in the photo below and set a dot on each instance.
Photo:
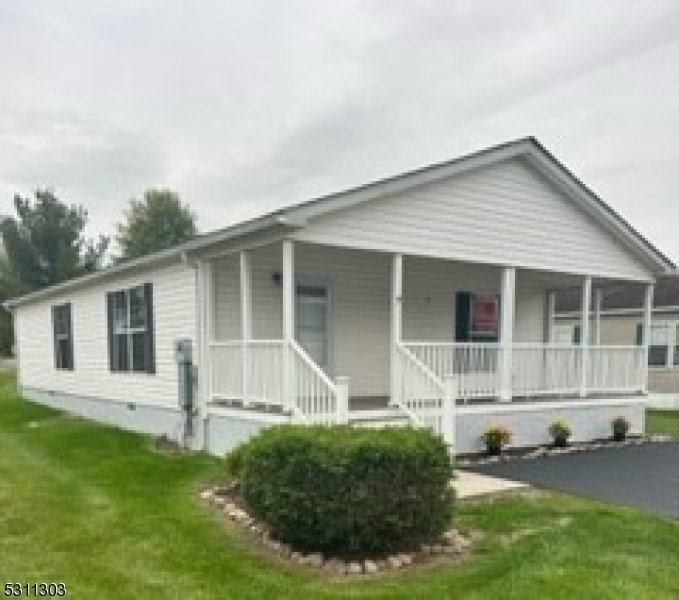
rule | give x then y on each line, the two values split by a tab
98	509
662	421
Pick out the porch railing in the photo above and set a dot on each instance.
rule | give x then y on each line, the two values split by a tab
474	365
538	370
426	399
275	373
315	395
617	369
226	370
546	370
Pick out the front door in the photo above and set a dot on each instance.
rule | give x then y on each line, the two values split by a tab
312	321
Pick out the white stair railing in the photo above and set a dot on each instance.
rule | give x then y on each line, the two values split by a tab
315	396
421	394
277	373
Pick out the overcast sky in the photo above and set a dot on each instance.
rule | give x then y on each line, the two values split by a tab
246	106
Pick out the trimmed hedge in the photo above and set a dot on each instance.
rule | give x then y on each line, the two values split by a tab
344	490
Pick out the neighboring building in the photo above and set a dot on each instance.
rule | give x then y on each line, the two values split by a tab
383	303
621	309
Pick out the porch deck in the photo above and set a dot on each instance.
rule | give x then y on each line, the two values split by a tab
357	404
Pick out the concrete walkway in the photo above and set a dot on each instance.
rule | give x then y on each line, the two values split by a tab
470	485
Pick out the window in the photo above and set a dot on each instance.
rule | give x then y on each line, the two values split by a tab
658	345
477	317
130	330
663	343
63	337
567	334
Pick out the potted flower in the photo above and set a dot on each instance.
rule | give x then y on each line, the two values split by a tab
621	427
496	438
560	432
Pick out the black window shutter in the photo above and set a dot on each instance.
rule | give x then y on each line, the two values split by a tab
112	358
69	359
577	334
54	336
150	350
640	334
463	305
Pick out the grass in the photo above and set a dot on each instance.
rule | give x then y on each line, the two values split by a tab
98	509
662	421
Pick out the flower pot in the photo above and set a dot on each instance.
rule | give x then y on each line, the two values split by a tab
493	448
619	436
560	442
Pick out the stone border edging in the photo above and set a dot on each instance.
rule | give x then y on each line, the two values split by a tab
451	543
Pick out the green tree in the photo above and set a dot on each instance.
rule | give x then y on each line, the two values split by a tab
157	222
8	289
45	244
42	245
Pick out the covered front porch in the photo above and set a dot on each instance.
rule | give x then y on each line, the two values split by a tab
325	334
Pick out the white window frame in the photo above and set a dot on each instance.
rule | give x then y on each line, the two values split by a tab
672	338
562	328
128	330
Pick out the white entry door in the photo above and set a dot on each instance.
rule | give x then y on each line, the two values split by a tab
312	322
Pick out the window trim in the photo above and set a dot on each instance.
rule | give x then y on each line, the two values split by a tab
672	353
58	337
129	332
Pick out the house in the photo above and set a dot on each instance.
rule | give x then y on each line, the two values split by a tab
620	314
425	298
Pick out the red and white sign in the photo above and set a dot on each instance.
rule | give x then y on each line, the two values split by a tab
485	315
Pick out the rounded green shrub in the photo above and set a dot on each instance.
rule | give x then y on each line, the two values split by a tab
348	491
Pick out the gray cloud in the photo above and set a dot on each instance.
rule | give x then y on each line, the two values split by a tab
245	107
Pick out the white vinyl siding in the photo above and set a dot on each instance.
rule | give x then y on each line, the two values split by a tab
174	316
360	313
506	214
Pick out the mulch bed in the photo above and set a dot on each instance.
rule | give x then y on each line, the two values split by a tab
534	452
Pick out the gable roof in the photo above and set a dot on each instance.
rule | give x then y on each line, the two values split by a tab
296	216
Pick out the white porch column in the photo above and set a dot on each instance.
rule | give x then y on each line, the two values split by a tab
448	412
586	300
245	319
396	318
551	312
202	343
507	307
646	329
207	327
598	304
288	318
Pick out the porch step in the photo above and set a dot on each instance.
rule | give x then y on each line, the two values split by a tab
378	418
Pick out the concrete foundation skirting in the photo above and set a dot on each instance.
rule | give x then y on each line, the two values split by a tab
529	422
663	401
135	416
218	432
225	429
222	429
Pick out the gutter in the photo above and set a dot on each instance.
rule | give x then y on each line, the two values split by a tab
179	253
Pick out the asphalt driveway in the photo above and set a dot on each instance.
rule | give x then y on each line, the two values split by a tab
645	476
